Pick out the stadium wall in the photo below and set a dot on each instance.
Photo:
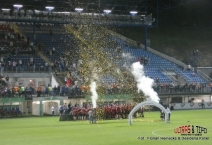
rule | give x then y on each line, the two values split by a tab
185	98
190	106
36	108
54	81
206	70
187	101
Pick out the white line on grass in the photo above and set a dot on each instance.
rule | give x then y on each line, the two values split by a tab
153	132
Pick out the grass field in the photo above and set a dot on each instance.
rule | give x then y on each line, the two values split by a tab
50	131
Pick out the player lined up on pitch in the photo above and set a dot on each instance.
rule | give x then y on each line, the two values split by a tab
106	112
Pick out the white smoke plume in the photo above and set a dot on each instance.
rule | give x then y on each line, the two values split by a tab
144	83
128	58
94	96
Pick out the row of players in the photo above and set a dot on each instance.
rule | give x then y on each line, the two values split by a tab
102	112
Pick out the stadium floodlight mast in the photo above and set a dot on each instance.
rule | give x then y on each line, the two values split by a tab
79	10
107	11
49	8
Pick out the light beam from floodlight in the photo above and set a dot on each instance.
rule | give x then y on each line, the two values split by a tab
133	12
107	11
79	9
18	6
49	8
65	12
37	11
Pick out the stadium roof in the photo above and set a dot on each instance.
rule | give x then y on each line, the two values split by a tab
117	6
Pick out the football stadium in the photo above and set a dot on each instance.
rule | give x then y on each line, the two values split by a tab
105	72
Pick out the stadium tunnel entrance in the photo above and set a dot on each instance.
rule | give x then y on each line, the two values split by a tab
43	105
47	107
148	102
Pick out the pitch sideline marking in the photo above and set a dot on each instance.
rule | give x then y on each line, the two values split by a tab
153	132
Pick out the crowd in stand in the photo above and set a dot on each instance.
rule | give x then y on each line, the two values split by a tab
7	65
58	65
144	60
183	88
13	43
40	91
76	90
2	84
18	65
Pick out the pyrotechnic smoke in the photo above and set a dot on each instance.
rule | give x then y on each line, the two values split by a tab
144	83
128	56
94	96
128	59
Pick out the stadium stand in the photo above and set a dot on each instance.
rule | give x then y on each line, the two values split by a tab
55	41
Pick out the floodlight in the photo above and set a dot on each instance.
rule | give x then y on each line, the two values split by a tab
133	12
18	6
49	8
3	9
79	9
107	11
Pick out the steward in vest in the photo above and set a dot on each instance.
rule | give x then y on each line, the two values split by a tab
50	90
39	91
22	90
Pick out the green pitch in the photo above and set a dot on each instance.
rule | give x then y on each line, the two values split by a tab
49	131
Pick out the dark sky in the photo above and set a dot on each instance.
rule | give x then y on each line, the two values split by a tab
197	13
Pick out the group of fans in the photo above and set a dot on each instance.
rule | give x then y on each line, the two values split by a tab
20	91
